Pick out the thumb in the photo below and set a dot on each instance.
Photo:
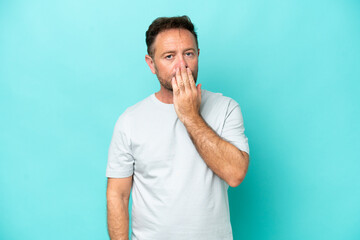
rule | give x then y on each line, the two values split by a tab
199	88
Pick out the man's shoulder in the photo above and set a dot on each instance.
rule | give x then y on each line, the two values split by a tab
210	98
135	109
139	106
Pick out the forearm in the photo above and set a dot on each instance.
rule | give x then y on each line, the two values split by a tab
226	160
118	218
222	157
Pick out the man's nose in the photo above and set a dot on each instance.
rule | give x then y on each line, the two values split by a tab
181	61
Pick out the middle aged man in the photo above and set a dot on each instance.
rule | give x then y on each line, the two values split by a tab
179	149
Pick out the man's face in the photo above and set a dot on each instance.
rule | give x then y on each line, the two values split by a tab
173	48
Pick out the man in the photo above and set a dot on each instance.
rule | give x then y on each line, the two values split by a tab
178	149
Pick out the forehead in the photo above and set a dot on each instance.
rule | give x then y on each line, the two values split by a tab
174	38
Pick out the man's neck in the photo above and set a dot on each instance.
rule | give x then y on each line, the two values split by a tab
165	96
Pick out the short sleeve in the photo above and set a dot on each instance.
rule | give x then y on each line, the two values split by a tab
233	130
120	159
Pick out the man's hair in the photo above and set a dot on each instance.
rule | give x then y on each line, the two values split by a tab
161	24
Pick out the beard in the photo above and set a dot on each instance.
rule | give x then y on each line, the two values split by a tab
166	83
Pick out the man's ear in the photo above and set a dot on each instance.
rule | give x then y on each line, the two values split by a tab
150	62
198	51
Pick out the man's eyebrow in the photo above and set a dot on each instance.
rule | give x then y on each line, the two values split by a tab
190	49
171	51
167	52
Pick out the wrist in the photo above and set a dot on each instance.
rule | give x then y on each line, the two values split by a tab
193	121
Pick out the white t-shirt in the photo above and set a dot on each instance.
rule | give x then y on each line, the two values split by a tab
175	194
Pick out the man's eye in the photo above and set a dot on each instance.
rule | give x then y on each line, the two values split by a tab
168	56
189	54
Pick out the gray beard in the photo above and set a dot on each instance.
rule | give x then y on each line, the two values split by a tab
165	84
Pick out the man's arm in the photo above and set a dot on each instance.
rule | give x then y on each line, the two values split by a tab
117	195
226	160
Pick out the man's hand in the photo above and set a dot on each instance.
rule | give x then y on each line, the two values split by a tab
186	96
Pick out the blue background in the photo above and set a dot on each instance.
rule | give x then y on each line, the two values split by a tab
68	69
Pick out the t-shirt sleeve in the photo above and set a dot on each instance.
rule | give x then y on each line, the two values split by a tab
120	159
233	130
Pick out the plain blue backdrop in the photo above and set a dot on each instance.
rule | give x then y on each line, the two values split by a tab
68	69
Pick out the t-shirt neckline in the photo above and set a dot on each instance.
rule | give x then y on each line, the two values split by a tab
169	106
161	104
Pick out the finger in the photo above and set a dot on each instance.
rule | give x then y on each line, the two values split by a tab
174	86
179	80
198	88
185	78
191	79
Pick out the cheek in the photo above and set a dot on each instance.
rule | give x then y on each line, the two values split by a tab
194	68
167	68
193	64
